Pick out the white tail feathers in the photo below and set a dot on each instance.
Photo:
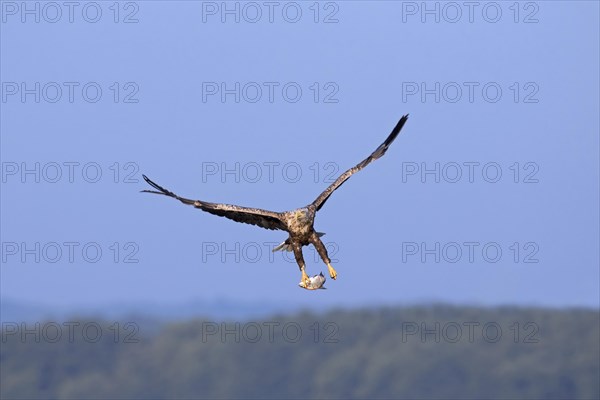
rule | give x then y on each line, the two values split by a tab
283	247
286	246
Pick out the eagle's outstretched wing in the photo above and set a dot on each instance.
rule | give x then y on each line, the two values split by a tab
380	151
255	216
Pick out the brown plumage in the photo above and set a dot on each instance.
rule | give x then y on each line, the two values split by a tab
299	222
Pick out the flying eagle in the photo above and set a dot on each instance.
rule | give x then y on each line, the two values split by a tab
298	223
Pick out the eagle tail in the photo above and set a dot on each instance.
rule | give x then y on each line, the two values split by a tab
286	246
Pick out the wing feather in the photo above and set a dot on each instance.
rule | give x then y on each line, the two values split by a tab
254	216
379	152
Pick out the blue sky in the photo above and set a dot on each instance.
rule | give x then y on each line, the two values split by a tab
515	93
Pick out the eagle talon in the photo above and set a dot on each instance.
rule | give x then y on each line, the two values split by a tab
332	272
305	279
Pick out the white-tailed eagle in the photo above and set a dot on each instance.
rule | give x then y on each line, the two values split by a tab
298	223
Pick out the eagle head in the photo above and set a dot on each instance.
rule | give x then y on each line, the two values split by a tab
301	214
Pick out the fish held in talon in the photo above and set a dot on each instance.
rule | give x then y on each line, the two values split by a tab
298	223
315	282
